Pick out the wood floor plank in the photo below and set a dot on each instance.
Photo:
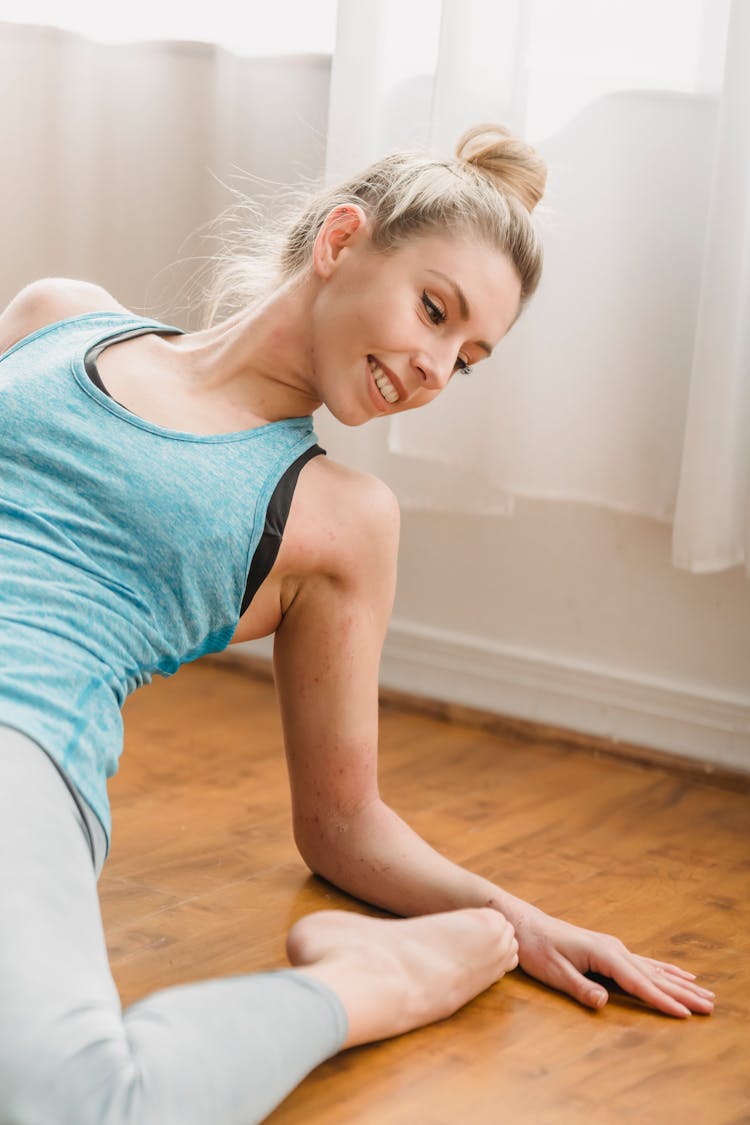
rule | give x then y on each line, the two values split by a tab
204	880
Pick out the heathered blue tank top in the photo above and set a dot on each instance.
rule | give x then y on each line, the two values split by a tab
124	546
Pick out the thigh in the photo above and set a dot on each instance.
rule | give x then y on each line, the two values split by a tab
55	979
224	1051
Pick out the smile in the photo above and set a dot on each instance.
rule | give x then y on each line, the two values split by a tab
382	382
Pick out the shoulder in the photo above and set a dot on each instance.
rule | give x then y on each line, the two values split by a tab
342	529
342	522
49	300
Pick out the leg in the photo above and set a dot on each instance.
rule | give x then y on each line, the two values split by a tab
221	1051
218	1051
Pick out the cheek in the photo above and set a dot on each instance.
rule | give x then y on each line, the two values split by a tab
420	398
336	318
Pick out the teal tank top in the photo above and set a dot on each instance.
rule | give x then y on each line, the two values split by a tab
125	547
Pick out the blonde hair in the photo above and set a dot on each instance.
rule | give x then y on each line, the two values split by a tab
487	191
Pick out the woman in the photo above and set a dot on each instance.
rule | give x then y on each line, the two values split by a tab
161	495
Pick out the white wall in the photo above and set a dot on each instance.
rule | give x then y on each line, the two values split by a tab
573	616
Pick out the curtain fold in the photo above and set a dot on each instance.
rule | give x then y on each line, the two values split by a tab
712	521
587	399
117	156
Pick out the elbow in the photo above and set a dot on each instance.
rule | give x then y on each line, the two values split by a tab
332	860
313	843
308	854
329	841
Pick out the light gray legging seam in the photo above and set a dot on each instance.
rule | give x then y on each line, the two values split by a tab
218	1052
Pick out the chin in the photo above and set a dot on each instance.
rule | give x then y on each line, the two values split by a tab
350	416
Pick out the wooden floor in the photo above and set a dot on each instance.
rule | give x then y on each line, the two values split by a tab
204	880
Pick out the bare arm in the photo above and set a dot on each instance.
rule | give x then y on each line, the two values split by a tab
326	656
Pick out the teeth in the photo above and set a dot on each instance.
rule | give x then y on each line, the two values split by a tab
384	385
387	389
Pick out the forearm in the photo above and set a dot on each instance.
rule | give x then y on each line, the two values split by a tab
375	856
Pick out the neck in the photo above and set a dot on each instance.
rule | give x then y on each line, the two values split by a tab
260	360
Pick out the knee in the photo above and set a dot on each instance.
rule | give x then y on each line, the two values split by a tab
55	1079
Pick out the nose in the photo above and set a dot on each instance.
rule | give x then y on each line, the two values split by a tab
433	371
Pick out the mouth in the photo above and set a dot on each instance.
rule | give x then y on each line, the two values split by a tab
388	386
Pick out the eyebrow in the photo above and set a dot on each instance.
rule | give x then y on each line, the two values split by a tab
463	304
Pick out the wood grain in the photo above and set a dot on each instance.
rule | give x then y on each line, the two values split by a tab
204	880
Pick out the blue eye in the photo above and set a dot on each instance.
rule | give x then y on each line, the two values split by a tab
436	315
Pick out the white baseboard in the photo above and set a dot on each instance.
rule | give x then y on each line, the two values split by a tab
477	673
691	721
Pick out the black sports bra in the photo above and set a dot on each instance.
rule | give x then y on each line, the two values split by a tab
277	511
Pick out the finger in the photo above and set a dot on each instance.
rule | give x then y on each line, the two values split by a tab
672	968
687	986
701	1005
666	974
630	977
562	975
687	993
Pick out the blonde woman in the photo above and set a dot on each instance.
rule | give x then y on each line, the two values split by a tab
162	494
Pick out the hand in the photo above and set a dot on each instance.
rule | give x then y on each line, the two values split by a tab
559	954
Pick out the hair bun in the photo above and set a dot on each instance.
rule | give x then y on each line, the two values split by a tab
508	160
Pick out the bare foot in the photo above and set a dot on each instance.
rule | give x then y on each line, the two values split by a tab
395	975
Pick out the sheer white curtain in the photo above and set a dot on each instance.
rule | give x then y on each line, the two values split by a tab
712	523
643	116
250	29
117	150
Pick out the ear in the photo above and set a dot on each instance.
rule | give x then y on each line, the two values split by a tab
342	227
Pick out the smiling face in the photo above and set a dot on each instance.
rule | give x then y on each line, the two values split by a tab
391	329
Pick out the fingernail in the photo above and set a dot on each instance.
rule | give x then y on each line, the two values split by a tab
599	999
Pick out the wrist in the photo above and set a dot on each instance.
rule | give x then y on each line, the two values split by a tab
518	912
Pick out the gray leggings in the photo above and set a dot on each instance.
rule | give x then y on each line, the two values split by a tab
219	1052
